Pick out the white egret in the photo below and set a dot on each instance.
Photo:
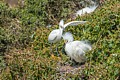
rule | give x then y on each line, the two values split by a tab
86	10
75	49
56	35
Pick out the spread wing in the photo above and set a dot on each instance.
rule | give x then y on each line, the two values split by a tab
73	23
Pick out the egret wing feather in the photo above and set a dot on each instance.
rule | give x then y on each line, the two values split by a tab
73	23
81	47
68	36
86	10
86	44
52	35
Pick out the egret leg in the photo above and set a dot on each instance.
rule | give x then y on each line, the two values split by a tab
74	62
63	50
77	63
57	49
51	48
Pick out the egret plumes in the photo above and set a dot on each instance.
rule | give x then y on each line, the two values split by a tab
76	49
56	35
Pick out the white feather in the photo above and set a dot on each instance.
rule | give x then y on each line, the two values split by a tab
55	36
68	36
74	23
86	10
76	49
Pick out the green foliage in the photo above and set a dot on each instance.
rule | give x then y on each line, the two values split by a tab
28	65
47	11
12	32
21	26
33	13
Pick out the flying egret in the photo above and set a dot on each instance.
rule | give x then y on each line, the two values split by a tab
56	35
86	10
75	49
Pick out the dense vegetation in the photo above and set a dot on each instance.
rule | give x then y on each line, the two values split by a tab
24	49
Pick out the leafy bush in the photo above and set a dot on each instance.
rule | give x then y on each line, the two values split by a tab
21	26
23	21
47	12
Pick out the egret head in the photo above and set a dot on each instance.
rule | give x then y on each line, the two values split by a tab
61	24
68	37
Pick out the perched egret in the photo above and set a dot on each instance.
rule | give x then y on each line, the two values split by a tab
56	35
75	49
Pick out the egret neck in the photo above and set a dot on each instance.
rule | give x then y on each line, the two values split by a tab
61	30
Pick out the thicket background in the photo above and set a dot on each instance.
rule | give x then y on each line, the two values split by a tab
24	49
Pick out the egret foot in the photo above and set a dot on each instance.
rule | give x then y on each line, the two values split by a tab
77	63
